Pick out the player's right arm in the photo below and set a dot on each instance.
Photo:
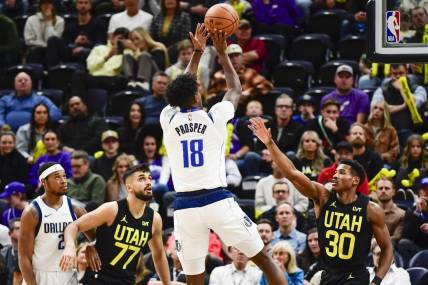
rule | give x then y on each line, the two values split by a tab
300	181
233	83
29	220
104	214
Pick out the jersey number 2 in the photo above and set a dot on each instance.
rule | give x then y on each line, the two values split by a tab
192	153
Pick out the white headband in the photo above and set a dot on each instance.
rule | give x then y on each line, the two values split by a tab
50	170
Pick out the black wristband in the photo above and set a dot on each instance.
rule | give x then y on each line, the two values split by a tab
377	280
197	50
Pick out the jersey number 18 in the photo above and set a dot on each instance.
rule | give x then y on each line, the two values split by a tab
192	153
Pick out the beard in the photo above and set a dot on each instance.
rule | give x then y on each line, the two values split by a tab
143	196
358	143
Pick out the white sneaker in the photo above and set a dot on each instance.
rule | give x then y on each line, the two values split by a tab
132	84
142	85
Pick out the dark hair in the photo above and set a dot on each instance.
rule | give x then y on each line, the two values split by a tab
32	141
160	73
150	130
45	166
126	120
397	65
265	221
136	168
329	102
308	258
176	10
181	92
356	169
419	7
50	131
121	31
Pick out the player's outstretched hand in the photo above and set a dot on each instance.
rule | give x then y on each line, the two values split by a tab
68	258
219	40
199	39
93	258
258	127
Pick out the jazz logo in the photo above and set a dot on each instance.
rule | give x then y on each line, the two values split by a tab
392	26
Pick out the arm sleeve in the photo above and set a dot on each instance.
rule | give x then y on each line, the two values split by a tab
96	59
22	142
420	96
55	30
111	25
30	32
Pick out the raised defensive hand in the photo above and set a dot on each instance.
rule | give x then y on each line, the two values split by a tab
93	258
258	127
199	39
219	40
68	259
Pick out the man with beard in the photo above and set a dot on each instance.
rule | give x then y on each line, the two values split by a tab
370	160
346	220
264	226
43	222
124	230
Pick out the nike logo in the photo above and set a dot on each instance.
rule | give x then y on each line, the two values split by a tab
47	215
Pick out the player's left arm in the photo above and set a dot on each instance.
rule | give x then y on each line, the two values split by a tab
376	218
158	251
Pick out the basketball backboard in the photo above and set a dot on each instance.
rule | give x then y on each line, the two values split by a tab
389	40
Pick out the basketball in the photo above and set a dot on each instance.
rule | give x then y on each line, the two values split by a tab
222	17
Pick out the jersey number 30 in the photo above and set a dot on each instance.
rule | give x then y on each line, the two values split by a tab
337	243
192	153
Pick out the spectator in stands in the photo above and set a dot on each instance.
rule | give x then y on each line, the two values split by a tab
15	194
264	199
29	135
133	120
369	159
252	82
391	92
419	17
185	51
309	259
10	254
116	189
310	158
111	7
81	130
343	150
78	39
354	102
395	275
13	166
39	28
9	43
285	257
146	58
196	9
382	133
15	8
286	219
171	25
242	7
415	156
104	160
16	108
356	20
104	64
306	107
264	226
237	270
319	5
285	131
367	79
279	16
329	126
53	154
130	19
153	105
254	50
82	262
84	186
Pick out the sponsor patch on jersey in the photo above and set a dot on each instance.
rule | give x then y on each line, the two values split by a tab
177	245
247	221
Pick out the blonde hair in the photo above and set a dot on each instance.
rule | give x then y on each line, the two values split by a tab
285	246
151	43
386	115
318	163
130	159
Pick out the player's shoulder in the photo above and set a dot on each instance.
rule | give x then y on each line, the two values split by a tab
375	213
30	212
222	109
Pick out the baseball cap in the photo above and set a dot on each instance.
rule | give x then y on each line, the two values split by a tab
244	23
306	99
343	145
345	68
234	48
12	188
109	134
424	182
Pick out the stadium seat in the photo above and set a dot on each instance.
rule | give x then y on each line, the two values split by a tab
120	102
370	92
315	48
275	46
318	92
416	274
295	74
328	70
248	187
351	47
59	76
96	99
55	95
20	24
114	122
68	18
102	22
327	22
420	259
35	71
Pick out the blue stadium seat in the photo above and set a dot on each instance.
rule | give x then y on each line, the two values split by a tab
120	102
97	99
55	95
318	92
275	46
59	76
328	22
315	48
295	74
351	47
328	70
416	274
420	259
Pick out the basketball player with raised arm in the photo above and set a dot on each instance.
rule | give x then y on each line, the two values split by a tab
124	229
43	222
346	219
195	143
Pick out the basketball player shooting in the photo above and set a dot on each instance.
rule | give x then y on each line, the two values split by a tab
43	222
195	143
346	220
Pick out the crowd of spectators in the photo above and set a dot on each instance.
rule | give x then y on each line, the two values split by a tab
132	49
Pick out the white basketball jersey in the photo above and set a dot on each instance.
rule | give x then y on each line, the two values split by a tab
195	144
49	241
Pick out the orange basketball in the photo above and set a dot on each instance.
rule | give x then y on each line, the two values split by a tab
222	17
